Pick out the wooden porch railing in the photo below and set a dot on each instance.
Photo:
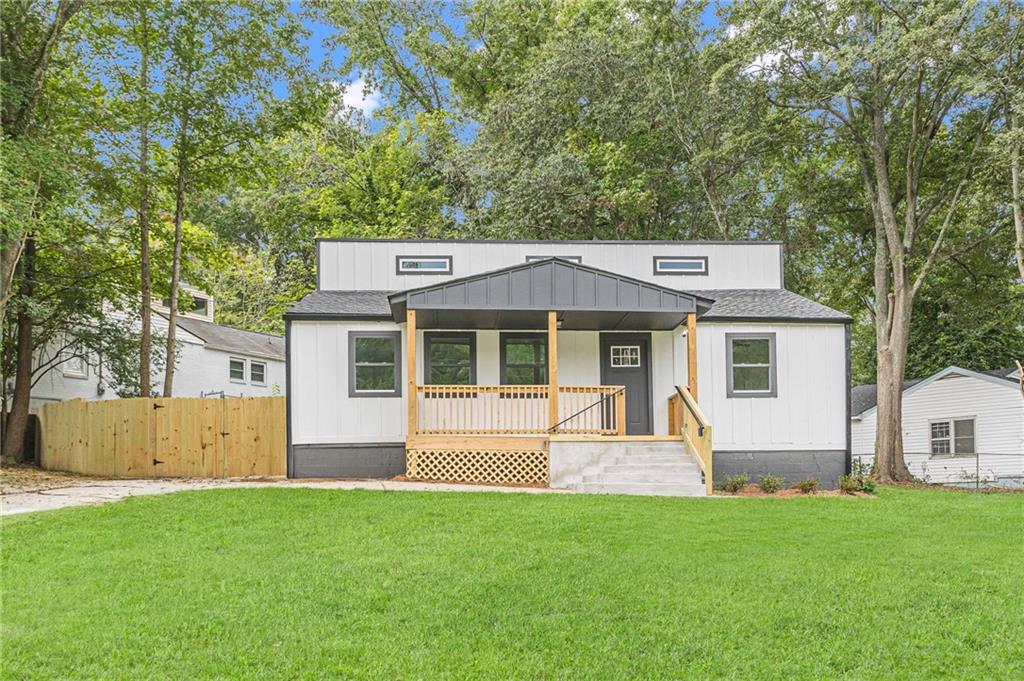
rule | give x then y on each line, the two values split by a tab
586	409
518	410
686	418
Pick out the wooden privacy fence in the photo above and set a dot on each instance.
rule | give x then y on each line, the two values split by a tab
165	437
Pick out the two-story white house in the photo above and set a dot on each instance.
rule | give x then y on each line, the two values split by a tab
632	366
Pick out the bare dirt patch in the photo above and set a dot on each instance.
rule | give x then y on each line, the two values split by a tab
17	478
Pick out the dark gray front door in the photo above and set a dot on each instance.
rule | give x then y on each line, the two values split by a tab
626	360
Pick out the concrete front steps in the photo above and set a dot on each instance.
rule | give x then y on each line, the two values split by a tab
663	468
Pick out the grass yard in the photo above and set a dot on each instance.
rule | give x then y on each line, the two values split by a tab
299	583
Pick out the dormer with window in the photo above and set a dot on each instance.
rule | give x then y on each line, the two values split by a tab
192	303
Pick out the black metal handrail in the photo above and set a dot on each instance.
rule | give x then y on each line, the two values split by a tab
587	408
700	426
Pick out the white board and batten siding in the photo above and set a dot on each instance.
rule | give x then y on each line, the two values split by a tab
798	419
370	265
809	412
997	408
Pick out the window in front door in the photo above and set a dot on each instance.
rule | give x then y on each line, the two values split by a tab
624	356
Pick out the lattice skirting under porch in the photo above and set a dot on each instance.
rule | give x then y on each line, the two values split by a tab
484	466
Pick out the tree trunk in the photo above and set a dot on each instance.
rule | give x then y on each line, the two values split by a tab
179	210
891	356
9	256
145	290
894	304
1018	210
17	420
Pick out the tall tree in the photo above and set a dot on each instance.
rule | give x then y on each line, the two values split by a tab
122	49
222	61
895	87
31	34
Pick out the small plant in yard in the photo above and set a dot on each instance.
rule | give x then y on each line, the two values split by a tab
849	484
770	484
856	483
808	486
734	483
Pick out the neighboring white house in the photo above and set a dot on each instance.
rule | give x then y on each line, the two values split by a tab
212	359
958	426
772	366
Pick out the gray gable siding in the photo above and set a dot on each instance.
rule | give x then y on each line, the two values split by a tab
551	284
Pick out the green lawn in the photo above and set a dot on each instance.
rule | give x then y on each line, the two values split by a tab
313	583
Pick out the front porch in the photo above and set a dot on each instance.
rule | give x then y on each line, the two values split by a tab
502	433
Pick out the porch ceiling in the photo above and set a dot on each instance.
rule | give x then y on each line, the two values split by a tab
520	296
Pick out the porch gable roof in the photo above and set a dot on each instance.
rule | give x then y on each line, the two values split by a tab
519	297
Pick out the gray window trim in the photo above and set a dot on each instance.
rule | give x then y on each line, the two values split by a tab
571	258
409	256
430	336
352	336
772	367
502	343
700	258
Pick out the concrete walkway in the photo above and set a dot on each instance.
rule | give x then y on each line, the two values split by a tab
103	491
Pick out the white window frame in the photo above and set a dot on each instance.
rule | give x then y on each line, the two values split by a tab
245	370
253	381
400	260
69	370
951	438
631	356
702	260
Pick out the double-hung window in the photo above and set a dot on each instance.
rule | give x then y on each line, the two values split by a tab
423	264
236	370
450	358
524	359
257	373
952	436
374	362
750	361
73	366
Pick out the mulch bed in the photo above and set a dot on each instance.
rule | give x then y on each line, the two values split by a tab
753	490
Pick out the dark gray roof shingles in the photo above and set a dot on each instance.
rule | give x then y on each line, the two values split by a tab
343	304
729	304
230	339
766	304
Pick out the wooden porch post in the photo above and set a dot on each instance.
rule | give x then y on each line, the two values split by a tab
691	353
410	363
552	368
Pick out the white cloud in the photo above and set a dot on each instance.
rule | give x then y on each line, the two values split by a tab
356	95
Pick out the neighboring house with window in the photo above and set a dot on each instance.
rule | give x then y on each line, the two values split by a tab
958	425
606	366
212	359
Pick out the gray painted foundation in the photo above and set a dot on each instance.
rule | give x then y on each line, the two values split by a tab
348	460
793	465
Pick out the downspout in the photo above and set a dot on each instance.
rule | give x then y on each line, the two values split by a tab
849	405
289	453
